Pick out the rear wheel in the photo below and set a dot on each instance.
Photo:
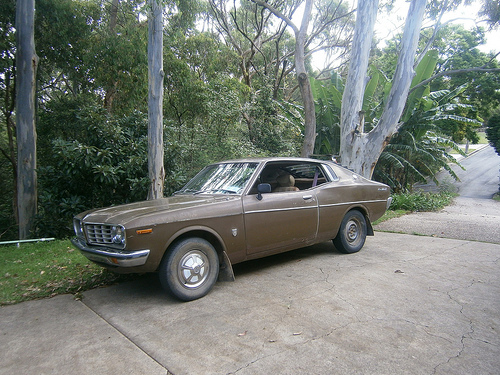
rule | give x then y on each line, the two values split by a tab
190	269
352	233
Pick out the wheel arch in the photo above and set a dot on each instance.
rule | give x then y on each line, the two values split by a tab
364	211
208	234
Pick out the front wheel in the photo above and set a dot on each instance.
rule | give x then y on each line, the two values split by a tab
190	269
352	233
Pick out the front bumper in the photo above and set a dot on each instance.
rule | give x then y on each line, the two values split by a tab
112	257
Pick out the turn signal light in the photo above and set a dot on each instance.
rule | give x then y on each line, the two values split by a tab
144	231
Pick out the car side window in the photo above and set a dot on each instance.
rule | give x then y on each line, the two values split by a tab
292	176
330	172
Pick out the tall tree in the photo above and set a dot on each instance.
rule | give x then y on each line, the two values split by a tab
26	63
304	41
155	108
359	150
111	91
302	74
8	169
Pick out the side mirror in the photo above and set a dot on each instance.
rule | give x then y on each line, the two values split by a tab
261	189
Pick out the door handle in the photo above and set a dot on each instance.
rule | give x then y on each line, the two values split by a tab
307	197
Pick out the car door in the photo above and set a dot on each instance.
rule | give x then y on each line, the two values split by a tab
280	220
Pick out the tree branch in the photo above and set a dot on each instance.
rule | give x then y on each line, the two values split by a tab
453	72
437	27
278	14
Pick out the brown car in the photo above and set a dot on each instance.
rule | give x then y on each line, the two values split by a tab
231	212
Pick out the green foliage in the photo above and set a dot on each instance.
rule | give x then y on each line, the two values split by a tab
63	33
7	220
432	124
328	101
390	214
493	131
458	50
419	149
272	127
423	71
89	159
203	107
421	201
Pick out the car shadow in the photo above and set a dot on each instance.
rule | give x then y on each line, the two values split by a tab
251	266
145	288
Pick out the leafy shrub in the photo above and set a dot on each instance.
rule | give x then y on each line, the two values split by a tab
421	201
90	159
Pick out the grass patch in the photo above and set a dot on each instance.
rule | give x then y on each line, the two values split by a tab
496	197
482	138
421	201
482	141
45	269
390	214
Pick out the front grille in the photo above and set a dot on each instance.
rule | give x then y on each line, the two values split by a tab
99	234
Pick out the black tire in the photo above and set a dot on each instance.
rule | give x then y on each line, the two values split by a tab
352	233
190	268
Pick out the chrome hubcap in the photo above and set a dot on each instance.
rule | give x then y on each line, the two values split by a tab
352	229
193	269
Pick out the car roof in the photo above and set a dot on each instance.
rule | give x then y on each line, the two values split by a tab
277	158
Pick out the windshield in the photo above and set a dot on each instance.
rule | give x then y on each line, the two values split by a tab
230	178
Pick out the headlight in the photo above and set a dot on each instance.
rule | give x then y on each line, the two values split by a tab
77	226
118	235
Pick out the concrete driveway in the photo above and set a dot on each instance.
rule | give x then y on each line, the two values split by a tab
405	304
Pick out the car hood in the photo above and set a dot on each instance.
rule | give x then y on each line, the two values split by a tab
125	213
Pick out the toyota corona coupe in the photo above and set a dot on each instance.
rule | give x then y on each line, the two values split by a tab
231	212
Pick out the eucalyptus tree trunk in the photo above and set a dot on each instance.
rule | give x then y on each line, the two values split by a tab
305	84
156	168
26	64
111	89
359	150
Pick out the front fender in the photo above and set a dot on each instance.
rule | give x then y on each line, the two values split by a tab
225	267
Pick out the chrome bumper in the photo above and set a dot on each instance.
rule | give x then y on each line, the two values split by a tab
112	257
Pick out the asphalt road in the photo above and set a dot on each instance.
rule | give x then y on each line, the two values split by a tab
480	179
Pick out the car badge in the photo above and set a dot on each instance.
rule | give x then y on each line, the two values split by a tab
235	232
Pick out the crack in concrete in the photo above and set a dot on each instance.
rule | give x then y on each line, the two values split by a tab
465	335
254	362
126	337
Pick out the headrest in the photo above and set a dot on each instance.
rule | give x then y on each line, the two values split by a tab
286	180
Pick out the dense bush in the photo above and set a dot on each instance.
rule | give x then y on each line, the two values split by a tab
90	159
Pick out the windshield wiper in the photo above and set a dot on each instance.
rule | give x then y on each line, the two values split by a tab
187	191
215	191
